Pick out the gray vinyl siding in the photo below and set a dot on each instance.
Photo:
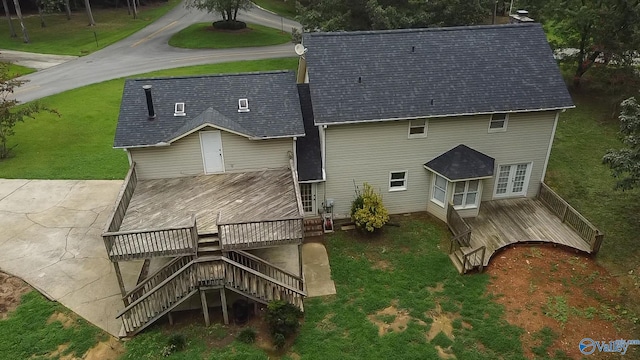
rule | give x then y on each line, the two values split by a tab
242	154
368	152
181	158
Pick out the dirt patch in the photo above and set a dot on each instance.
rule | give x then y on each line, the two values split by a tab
326	324
66	320
445	353
442	322
392	319
11	291
58	351
545	287
437	289
106	350
382	265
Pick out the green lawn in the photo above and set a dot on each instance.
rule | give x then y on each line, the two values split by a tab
78	145
405	268
74	37
203	36
576	171
29	333
286	8
17	70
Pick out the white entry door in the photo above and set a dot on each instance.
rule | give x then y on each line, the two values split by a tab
308	195
512	180
211	143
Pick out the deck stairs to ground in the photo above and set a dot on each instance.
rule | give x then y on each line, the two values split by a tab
458	259
185	276
313	227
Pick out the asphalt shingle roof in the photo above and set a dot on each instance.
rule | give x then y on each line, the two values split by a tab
308	152
273	103
372	75
461	163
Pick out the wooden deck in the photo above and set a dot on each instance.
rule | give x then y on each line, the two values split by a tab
247	196
504	222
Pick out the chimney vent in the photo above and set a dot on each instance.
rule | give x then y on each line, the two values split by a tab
147	92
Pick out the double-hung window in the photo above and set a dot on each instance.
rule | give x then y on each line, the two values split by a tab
498	122
439	193
465	194
398	180
418	128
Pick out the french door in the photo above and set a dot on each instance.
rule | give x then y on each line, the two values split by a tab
308	195
512	180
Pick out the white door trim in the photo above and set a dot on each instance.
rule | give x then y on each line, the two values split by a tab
204	159
510	181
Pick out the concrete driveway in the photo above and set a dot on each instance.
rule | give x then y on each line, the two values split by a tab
50	236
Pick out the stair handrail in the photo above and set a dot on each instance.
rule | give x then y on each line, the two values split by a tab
467	255
155	273
266	263
201	260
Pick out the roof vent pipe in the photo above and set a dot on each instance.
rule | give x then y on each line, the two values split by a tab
147	92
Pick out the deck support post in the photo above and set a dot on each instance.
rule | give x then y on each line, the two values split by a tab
223	300
116	267
300	264
205	307
170	318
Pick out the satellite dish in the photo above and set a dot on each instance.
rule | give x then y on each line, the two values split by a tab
300	49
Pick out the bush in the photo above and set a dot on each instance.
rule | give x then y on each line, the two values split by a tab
283	319
367	210
229	25
176	342
247	335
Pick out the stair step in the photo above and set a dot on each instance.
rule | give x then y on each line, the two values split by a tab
208	248
313	233
208	240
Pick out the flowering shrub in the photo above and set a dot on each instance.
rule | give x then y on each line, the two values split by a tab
367	210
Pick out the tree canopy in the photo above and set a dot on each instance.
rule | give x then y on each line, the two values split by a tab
625	162
228	9
600	31
335	15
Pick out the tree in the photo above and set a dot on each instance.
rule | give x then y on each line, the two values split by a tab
10	114
625	162
601	31
87	6
8	15
228	9
333	15
25	34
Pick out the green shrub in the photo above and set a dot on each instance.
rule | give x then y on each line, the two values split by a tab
229	25
176	342
283	319
367	210
247	335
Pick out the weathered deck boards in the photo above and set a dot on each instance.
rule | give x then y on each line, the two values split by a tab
504	222
247	196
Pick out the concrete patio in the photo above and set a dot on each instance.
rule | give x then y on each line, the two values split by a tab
50	236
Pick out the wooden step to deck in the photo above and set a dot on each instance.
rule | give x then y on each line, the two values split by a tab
209	245
313	227
456	258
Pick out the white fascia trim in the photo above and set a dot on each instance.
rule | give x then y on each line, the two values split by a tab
553	135
459	180
443	116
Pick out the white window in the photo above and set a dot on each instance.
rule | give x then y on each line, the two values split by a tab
498	122
243	105
418	128
466	194
439	193
179	109
398	180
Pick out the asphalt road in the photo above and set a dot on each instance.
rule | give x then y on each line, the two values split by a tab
148	50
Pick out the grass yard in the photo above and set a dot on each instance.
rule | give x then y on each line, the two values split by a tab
204	36
17	70
286	8
74	37
78	145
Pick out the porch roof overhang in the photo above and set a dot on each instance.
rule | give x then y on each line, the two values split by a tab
462	163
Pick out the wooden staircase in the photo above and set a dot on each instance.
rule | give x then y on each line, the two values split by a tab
183	277
313	227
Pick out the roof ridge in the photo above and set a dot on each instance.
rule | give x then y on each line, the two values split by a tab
212	75
418	30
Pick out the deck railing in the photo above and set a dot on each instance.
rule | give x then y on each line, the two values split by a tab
156	278
460	229
571	217
264	267
142	244
260	233
122	203
474	258
212	271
